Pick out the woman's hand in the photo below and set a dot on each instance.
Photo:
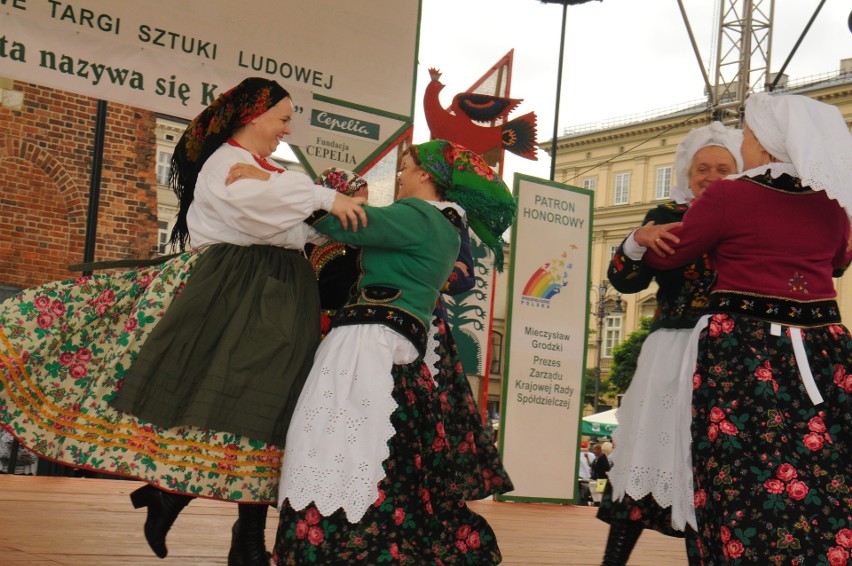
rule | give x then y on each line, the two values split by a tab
240	171
348	209
658	237
461	265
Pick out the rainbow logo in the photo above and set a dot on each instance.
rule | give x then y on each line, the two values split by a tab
546	282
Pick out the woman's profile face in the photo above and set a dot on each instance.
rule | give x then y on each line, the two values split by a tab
407	176
754	155
710	164
270	127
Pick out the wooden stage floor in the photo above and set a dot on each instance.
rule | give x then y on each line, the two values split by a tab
52	521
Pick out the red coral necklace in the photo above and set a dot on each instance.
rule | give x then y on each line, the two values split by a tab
260	161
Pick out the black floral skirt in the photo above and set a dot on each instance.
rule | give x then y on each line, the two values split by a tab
440	456
645	511
772	470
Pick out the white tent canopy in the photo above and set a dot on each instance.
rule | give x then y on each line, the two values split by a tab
600	424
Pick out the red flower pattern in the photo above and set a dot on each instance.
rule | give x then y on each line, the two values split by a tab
786	472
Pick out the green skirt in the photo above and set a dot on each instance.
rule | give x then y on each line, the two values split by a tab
235	347
67	347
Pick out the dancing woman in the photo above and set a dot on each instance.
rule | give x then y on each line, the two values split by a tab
184	374
369	475
643	483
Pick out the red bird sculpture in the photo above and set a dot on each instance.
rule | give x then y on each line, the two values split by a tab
459	123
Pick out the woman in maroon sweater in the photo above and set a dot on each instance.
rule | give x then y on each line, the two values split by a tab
772	375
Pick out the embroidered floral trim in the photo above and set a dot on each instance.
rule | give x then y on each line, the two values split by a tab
674	207
381	295
398	319
798	283
782	182
321	255
781	310
454	217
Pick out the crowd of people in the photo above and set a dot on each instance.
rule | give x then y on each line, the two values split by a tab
296	352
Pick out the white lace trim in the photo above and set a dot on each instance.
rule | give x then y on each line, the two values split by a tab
649	432
338	437
431	358
809	134
812	180
683	506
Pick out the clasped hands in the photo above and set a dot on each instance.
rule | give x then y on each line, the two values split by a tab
657	237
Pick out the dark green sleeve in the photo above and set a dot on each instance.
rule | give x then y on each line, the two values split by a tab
397	226
631	276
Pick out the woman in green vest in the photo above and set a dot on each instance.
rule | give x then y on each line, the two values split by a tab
368	474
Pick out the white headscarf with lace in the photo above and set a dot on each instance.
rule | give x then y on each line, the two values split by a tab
714	134
809	138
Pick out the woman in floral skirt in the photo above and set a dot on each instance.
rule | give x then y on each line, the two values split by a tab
371	474
770	381
184	374
338	268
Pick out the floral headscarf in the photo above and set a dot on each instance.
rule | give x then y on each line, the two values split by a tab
469	181
209	130
341	180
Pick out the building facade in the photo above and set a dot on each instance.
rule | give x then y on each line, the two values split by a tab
46	155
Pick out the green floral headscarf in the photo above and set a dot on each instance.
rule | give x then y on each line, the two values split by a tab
209	130
469	181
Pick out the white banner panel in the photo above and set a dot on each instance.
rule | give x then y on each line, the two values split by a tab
345	137
546	326
176	57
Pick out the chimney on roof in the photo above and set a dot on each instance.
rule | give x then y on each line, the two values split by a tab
782	82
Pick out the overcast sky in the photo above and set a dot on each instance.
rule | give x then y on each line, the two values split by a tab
622	57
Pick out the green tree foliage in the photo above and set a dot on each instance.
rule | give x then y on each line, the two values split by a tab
590	385
625	356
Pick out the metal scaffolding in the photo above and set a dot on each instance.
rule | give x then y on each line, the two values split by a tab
742	60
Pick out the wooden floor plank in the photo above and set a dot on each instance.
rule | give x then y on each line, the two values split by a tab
56	521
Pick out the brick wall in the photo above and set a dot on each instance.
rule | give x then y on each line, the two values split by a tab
46	140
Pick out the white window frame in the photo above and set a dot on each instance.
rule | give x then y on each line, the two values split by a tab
664	183
622	188
496	354
613	326
590	183
164	163
164	234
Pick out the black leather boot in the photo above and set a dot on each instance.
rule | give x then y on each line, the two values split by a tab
620	542
248	543
163	509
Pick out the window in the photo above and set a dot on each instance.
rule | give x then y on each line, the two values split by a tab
164	233
612	250
164	159
496	353
622	188
590	183
612	334
664	182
